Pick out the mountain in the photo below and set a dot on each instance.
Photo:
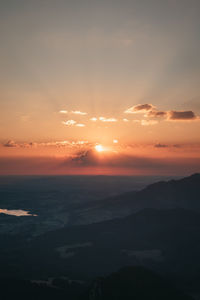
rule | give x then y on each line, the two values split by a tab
182	193
24	289
161	233
133	283
128	283
164	240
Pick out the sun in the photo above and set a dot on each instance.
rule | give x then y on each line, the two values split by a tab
99	148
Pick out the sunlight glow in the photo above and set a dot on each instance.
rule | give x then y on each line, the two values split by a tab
99	148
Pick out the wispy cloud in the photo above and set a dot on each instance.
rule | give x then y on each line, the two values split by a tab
146	122
66	143
63	111
93	119
78	112
13	144
158	145
69	122
10	143
102	119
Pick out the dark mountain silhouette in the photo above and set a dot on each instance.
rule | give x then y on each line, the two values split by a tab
164	240
182	193
161	233
133	283
128	283
25	289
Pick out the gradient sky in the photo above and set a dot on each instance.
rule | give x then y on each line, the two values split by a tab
121	74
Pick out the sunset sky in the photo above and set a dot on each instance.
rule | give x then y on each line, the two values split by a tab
100	87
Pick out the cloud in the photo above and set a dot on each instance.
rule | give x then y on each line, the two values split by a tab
75	112
13	144
102	119
152	112
69	122
181	115
160	145
156	114
10	143
125	120
140	108
80	125
47	144
177	146
87	157
146	122
78	112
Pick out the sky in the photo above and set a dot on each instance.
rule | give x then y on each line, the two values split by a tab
99	87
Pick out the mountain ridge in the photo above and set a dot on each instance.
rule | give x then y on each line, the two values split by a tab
161	194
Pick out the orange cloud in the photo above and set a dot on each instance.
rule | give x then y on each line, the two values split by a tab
140	108
152	112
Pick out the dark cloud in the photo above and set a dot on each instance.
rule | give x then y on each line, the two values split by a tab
13	144
10	143
87	157
181	115
140	108
160	145
157	114
151	111
143	107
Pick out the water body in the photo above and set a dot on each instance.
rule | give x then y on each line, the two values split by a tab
16	212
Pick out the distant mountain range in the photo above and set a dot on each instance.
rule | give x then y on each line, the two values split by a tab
183	193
